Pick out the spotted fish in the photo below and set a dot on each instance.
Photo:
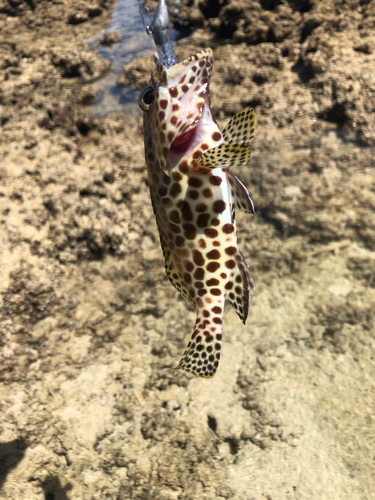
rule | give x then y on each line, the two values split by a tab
195	196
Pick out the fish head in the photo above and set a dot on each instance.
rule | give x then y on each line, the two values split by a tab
178	117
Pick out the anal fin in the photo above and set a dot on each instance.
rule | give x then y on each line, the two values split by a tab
238	288
240	194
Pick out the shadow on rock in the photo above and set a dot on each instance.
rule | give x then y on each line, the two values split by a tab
11	454
53	490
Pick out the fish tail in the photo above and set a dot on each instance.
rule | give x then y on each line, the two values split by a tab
202	354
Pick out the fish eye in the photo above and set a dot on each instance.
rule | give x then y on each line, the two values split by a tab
146	99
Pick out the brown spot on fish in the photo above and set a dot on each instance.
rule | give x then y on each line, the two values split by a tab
179	241
176	176
183	167
211	232
190	231
174	228
203	220
170	136
230	250
199	274
161	115
207	193
216	136
175	216
213	255
215	180
217	310
212	267
230	264
192	194
212	282
189	266
175	189
173	92
228	228
201	207
219	206
198	258
163	104
187	278
195	182
186	212
202	243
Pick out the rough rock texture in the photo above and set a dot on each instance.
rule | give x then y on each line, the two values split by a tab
89	326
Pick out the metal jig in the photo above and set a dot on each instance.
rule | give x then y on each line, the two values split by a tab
158	27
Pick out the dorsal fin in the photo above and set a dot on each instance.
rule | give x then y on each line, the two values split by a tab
240	129
240	194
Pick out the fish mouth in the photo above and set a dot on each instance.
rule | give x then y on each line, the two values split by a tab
182	143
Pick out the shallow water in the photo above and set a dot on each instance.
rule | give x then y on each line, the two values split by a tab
127	21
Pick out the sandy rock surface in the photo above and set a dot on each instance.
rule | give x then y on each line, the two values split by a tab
90	328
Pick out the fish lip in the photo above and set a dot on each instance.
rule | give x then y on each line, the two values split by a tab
182	143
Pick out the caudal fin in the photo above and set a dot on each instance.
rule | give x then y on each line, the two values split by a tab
202	354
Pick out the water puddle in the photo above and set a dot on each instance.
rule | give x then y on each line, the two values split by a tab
126	20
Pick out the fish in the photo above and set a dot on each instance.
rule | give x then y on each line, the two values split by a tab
195	196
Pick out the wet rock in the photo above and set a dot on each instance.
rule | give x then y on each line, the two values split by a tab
110	39
78	17
79	63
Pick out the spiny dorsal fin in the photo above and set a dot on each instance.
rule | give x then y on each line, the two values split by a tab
225	156
240	129
238	288
240	194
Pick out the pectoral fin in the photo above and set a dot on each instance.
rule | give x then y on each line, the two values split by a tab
240	129
225	156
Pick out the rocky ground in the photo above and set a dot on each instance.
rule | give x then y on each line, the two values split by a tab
90	327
